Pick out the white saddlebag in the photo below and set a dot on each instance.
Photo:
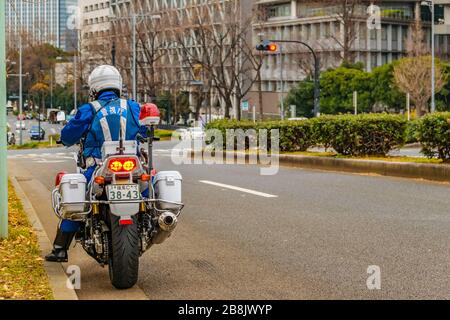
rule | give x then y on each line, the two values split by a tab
73	191
168	187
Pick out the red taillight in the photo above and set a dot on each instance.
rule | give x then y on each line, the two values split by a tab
125	222
122	164
59	177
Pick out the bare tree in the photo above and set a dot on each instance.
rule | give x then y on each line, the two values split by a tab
151	49
348	14
416	45
413	75
223	50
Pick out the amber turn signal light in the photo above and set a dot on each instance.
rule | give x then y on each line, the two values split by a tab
99	180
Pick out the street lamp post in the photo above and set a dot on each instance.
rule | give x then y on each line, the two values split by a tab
133	26
433	66
20	89
75	81
430	4
3	142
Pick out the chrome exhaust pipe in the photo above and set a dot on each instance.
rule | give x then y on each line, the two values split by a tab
167	222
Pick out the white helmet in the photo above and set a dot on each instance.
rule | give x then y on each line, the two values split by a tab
103	78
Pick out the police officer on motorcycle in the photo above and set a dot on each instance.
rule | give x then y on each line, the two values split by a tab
96	122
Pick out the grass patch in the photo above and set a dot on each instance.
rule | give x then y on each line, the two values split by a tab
338	156
387	158
164	135
33	145
22	274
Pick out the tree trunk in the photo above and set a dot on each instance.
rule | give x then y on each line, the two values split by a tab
260	96
421	108
228	106
198	106
238	109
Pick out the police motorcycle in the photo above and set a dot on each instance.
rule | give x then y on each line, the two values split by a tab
127	208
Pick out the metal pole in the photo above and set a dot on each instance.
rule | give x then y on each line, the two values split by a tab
51	87
316	73
355	101
3	164
75	82
281	83
316	85
433	67
20	88
133	26
408	105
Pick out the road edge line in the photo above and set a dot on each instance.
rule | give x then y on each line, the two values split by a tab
55	271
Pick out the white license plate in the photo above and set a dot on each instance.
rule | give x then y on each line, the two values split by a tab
123	192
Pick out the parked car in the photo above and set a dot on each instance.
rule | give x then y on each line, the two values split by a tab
23	127
35	134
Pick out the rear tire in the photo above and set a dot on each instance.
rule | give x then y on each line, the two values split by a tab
124	260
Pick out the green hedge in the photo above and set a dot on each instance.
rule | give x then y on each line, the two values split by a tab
362	135
412	131
294	135
434	135
349	135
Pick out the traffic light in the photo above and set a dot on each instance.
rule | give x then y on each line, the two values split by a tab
267	46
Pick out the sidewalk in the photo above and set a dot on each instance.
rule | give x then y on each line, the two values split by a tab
55	272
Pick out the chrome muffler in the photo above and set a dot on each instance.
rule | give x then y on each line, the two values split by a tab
167	222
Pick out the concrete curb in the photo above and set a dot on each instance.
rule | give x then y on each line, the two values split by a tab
55	271
433	172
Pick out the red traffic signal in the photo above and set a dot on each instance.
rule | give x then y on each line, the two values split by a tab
272	47
267	46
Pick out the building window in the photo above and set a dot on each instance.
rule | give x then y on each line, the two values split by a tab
279	10
397	11
394	33
327	30
373	60
384	58
384	35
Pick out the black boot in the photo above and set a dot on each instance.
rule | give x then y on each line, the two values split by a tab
60	246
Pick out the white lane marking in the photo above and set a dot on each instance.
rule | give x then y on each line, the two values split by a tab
49	161
256	193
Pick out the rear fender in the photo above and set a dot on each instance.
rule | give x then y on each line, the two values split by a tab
124	209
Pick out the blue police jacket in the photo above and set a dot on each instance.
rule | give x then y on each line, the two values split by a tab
102	121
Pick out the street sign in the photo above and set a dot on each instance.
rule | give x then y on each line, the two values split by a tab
245	105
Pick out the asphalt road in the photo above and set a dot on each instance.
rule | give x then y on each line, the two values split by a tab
301	234
49	128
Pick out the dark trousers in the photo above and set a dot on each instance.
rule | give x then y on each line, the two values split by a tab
63	239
